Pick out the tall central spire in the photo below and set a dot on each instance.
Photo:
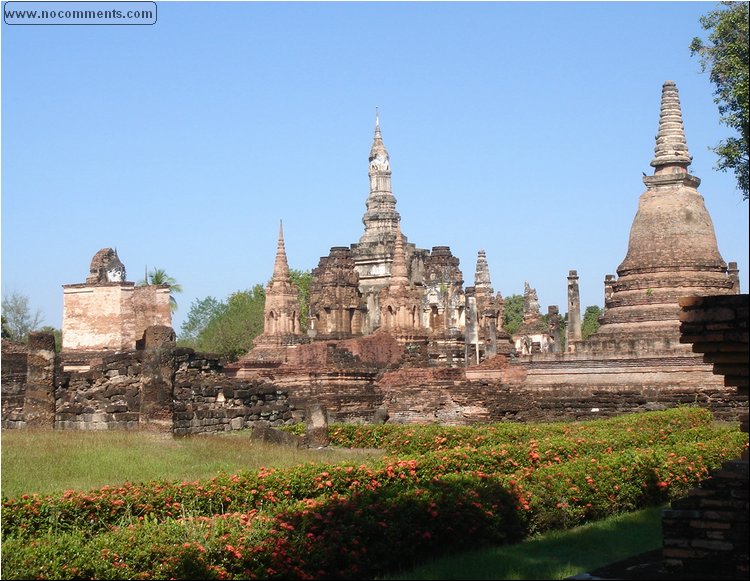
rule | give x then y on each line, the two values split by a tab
381	218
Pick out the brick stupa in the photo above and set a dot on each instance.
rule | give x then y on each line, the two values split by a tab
672	250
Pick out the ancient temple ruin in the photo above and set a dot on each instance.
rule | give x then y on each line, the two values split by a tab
385	284
380	283
672	253
107	313
534	335
392	330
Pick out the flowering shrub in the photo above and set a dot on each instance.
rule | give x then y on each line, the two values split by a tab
452	488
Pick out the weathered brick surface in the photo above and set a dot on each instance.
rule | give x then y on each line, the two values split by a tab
14	370
163	388
207	401
707	531
39	403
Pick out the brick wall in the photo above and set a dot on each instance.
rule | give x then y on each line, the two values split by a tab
160	388
14	369
207	401
707	532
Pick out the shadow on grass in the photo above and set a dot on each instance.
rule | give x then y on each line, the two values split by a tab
553	555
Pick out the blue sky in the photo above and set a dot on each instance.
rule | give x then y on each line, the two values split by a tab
518	128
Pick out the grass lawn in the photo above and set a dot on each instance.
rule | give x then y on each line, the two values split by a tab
50	462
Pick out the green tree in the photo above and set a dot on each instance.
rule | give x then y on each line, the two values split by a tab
202	312
590	323
230	333
18	319
513	313
725	55
160	276
302	279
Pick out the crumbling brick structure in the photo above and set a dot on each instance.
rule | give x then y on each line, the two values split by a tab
157	387
707	531
107	314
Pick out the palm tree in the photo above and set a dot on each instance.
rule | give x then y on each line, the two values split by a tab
160	276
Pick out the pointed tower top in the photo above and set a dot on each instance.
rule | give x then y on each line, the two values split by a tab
482	274
671	146
280	267
378	152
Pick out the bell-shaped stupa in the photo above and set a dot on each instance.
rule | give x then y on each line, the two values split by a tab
672	250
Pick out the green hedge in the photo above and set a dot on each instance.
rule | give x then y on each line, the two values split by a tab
495	484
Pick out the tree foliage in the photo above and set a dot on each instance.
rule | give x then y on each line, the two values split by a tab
725	55
233	326
513	313
590	323
302	279
202	312
160	276
229	327
17	318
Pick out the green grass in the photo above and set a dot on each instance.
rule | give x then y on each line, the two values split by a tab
553	555
50	462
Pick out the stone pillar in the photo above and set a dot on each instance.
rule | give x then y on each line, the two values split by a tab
471	330
490	343
553	317
316	420
734	276
157	379
39	401
573	330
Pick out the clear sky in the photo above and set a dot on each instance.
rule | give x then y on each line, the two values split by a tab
520	128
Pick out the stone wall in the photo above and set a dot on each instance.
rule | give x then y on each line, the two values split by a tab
106	397
151	307
206	400
162	388
423	395
159	388
717	327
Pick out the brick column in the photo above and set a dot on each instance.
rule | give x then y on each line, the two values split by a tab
573	330
39	401
157	379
